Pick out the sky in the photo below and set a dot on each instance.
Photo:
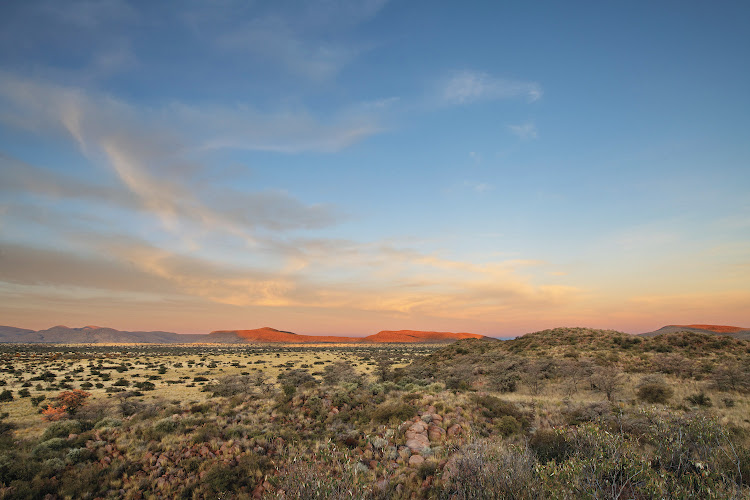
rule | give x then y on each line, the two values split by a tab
350	166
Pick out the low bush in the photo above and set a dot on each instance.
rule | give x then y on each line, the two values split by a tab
654	391
393	411
550	445
493	407
699	399
488	470
62	429
508	425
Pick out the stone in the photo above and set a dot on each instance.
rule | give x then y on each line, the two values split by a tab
418	443
435	433
454	430
417	427
416	460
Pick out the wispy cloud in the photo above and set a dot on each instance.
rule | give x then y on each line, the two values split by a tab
477	157
525	131
479	187
308	40
470	86
151	159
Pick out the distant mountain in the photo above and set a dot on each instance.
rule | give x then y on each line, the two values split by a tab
101	335
92	335
730	331
272	335
417	336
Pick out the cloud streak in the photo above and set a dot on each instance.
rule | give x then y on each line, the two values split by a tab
525	131
467	87
150	159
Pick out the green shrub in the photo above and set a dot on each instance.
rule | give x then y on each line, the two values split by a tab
62	429
107	423
165	426
76	455
48	448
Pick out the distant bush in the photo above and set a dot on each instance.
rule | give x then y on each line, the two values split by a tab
6	395
340	371
735	377
654	391
593	412
699	399
297	378
165	426
145	385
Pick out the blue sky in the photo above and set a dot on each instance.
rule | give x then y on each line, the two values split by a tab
345	167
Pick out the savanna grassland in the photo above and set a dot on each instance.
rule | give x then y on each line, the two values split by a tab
564	413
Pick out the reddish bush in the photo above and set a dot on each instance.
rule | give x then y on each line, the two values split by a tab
66	403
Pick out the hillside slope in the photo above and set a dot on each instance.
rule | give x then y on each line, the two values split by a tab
731	331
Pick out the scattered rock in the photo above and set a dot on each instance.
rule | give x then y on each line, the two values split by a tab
454	430
416	460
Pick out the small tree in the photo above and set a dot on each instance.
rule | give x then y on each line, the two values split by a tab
607	379
340	371
65	404
383	370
